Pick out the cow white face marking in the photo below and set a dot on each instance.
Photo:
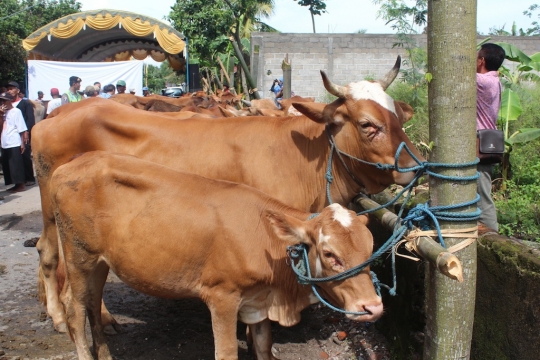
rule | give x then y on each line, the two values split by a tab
318	267
365	90
323	238
341	215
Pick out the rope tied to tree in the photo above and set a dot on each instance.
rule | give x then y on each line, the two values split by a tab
422	215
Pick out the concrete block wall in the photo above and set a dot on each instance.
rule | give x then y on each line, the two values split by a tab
345	58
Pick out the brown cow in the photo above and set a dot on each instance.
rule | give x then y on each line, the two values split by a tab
159	103
284	157
223	242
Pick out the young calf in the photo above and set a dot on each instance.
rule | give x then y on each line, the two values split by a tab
176	235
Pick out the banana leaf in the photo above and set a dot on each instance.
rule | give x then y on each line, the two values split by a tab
510	106
514	54
524	136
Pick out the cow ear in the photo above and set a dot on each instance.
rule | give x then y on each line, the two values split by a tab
364	219
407	111
287	228
323	113
314	111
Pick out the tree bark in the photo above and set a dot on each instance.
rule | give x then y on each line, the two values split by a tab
452	111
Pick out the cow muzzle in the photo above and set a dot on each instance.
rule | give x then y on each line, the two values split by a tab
374	312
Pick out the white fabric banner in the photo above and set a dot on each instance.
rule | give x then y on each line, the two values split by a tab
44	75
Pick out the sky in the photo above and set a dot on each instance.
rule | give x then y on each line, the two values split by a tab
344	16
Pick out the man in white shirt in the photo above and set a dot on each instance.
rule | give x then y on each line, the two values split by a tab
55	102
13	139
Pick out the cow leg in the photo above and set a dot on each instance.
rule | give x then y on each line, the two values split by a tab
109	321
47	247
76	321
95	307
261	338
224	319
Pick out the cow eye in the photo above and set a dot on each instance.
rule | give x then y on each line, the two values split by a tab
334	261
365	125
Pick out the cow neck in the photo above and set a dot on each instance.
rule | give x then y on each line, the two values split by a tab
344	182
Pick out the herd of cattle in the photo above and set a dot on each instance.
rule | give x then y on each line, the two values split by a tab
192	197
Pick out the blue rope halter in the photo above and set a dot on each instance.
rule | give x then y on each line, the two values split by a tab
421	215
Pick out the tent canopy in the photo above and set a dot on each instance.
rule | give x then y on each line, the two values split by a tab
107	35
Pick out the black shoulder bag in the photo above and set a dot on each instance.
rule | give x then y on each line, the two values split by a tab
490	146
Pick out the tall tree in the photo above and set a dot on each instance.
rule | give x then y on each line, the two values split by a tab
18	19
316	7
452	113
210	25
535	29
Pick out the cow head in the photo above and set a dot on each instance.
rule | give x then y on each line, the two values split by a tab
367	124
338	240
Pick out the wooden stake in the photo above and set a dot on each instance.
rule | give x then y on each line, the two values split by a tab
447	263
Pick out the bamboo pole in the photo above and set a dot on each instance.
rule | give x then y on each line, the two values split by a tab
224	72
286	68
452	112
249	79
447	263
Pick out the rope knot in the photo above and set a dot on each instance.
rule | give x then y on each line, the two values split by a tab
329	177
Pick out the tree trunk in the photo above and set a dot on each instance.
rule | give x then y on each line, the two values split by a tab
249	79
312	20
452	111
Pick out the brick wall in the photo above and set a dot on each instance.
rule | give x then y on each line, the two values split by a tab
344	57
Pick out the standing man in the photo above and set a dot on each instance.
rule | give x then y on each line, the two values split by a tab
145	91
108	91
40	97
488	101
13	139
72	95
121	87
55	102
90	92
97	86
277	89
27	110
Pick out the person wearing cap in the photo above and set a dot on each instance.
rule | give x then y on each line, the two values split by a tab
90	92
121	87
277	89
13	139
145	91
55	102
72	95
27	110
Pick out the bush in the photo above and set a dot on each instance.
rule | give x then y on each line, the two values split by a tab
518	209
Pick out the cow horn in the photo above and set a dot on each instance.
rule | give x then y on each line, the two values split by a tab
391	75
336	90
247	103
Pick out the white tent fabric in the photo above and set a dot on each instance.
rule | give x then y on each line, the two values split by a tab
44	75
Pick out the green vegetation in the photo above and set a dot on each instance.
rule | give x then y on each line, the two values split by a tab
157	78
18	19
518	197
213	26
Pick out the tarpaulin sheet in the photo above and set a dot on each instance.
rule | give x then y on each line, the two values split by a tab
44	75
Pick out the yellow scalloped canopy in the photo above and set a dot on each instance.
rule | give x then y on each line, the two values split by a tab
106	35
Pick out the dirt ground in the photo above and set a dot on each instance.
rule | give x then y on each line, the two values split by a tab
152	328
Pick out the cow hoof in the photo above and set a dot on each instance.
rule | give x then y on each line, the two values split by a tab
61	328
112	329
